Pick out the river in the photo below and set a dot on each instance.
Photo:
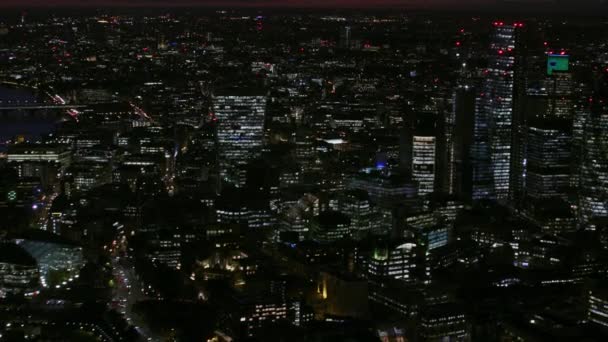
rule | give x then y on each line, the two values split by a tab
30	124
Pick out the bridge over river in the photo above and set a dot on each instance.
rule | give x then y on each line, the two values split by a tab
28	111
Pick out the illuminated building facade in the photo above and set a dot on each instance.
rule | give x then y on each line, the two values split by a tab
356	205
399	262
597	309
240	133
444	322
548	159
18	270
46	162
424	152
494	116
423	163
383	186
54	258
560	85
481	173
594	166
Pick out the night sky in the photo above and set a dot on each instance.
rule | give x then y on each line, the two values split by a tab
219	3
570	7
549	5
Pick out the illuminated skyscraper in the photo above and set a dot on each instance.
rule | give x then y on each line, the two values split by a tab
548	158
494	116
482	185
580	116
422	144
594	164
240	133
560	102
423	163
541	158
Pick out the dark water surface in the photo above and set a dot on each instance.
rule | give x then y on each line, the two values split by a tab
31	124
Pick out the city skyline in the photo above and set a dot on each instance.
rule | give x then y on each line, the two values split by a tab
269	173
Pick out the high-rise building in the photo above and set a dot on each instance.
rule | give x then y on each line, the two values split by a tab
424	150
482	185
548	158
423	163
593	181
542	135
345	37
463	126
580	115
559	85
592	127
494	115
240	133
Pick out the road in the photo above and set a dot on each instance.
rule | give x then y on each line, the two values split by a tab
128	290
42	208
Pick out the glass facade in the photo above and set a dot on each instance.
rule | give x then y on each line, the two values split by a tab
240	134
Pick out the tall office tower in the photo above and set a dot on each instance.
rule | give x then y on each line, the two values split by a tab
305	151
345	37
546	124
548	158
559	87
462	139
547	163
240	133
444	139
445	132
482	180
593	182
424	151
580	115
449	125
423	162
496	107
560	95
